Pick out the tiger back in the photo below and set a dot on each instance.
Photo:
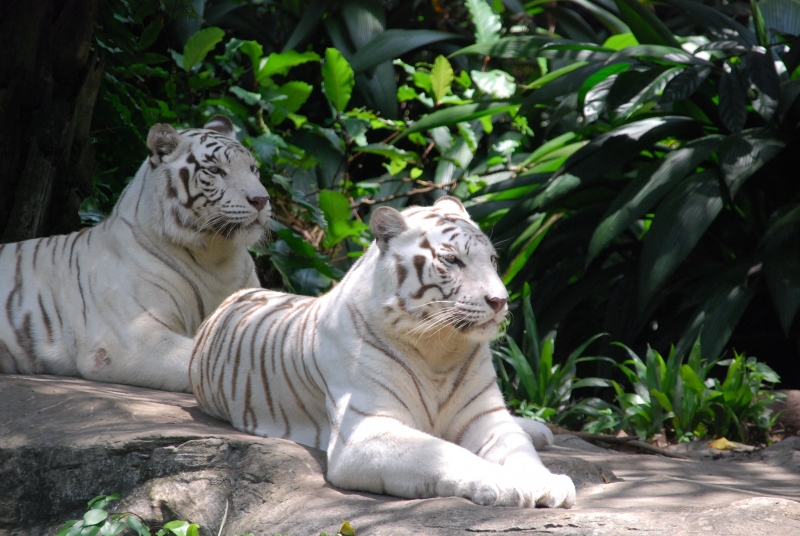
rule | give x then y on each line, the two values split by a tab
390	372
120	302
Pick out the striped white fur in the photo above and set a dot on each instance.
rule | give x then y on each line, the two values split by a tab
390	372
120	302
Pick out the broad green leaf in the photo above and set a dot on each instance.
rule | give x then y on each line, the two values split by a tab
140	528
660	54
441	78
547	148
509	47
337	79
94	516
487	22
248	97
280	63
651	92
643	193
150	34
782	271
499	84
199	45
691	379
390	151
591	382
254	51
69	528
620	41
338	215
644	24
685	83
576	52
181	528
758	24
679	223
661	398
720	313
523	369
313	13
297	94
761	71
780	17
391	44
598	77
112	528
715	21
456	114
741	155
606	17
521	259
611	151
90	531
398	158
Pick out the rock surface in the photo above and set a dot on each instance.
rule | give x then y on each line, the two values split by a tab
64	441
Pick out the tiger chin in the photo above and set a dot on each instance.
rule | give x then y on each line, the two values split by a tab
390	372
120	302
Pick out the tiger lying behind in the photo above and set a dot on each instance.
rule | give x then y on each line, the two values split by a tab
120	302
390	372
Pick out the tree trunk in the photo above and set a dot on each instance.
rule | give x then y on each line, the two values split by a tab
49	77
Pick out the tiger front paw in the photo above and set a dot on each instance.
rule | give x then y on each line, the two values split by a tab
555	491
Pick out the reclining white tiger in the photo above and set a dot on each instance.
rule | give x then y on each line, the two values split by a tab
120	302
390	372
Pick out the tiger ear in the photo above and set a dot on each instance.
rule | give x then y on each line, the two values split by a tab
385	224
450	203
223	125
161	141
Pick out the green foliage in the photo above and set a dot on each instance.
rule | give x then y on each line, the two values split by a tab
541	389
670	181
337	79
97	521
629	162
687	400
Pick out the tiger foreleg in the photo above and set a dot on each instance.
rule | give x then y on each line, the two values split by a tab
379	453
497	438
390	458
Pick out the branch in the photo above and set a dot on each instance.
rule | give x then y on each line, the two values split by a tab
429	187
634	442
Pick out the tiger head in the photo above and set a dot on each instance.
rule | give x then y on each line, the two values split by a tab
439	271
208	184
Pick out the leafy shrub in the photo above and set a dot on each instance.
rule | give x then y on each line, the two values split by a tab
650	189
686	400
540	389
98	521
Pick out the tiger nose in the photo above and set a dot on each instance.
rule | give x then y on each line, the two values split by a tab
258	202
496	303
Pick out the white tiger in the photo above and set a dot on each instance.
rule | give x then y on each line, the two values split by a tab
390	372
120	302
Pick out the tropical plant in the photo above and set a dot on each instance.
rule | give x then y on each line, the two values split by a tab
686	400
538	388
657	199
99	521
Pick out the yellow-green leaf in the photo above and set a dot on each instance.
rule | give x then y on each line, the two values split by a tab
338	79
199	45
441	78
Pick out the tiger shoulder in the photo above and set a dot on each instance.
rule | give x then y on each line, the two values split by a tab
390	372
120	302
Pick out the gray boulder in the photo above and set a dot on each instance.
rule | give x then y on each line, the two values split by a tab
65	440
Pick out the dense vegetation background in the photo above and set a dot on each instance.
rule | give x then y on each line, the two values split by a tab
635	162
